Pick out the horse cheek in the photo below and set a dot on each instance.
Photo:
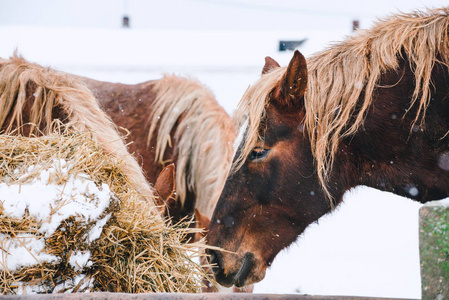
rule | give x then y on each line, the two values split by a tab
266	181
226	218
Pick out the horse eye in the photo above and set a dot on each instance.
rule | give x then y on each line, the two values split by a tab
257	153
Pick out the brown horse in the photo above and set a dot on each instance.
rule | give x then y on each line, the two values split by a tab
174	120
372	110
32	97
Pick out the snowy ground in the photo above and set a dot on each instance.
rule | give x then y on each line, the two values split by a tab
368	247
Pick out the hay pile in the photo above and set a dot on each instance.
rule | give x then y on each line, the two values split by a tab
71	222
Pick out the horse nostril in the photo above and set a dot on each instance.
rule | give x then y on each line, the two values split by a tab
213	258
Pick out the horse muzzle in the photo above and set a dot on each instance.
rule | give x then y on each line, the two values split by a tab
240	273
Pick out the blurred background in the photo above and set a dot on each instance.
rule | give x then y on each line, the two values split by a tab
135	40
369	246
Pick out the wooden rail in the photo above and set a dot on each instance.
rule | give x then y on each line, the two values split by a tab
182	296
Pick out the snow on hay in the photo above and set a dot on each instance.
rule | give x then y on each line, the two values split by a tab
71	222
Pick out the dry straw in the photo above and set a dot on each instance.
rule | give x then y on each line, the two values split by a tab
136	252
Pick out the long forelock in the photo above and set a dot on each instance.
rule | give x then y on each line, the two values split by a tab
251	111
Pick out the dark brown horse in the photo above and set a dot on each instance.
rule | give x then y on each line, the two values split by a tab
372	110
174	120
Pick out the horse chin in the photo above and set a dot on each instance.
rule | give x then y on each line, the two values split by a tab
250	279
251	271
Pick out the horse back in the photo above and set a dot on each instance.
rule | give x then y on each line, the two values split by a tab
129	106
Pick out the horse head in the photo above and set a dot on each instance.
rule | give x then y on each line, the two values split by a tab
374	114
274	193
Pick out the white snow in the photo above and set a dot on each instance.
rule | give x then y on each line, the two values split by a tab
24	289
96	230
24	250
79	260
71	284
442	202
78	196
50	203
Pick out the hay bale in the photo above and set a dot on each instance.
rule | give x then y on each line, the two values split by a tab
71	222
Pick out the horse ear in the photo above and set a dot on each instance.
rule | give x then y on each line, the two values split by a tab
202	221
165	186
270	64
293	84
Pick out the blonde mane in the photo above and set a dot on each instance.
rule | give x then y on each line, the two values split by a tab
338	75
56	89
203	134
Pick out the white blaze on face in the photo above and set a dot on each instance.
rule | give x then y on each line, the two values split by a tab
239	139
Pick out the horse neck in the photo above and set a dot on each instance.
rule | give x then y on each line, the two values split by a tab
129	107
392	153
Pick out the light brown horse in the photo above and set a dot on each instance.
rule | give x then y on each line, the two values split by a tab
174	120
32	97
